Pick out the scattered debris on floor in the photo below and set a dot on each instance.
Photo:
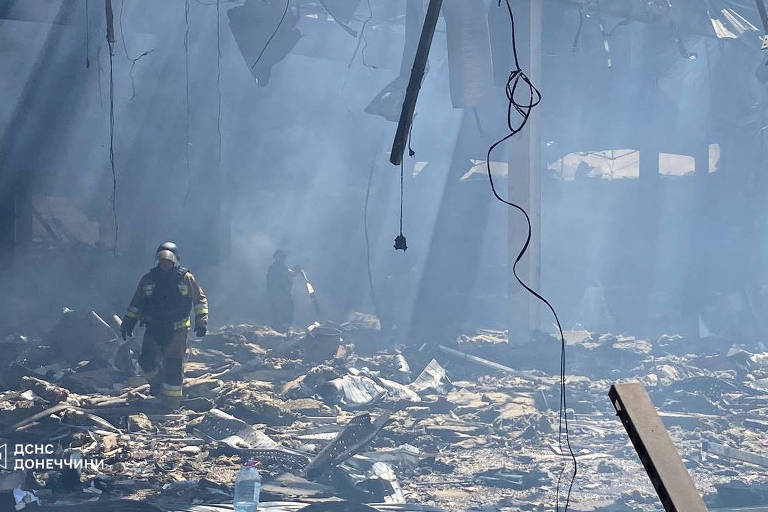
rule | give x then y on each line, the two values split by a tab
464	426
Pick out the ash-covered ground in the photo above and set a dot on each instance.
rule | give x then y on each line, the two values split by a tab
334	413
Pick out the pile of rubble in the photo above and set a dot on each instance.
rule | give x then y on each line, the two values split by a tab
337	418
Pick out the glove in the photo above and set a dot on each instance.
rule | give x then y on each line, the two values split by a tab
126	328
200	331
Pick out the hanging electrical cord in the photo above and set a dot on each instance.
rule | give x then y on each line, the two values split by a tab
110	43
517	78
218	82
133	60
359	42
266	45
411	152
186	101
400	242
363	39
87	38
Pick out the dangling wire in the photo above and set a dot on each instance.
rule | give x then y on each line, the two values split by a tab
517	78
110	41
87	38
218	80
133	60
401	198
186	101
266	45
363	39
400	242
411	152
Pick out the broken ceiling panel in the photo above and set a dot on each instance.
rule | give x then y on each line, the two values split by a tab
389	102
253	26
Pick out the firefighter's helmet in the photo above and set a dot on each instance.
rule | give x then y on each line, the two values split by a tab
168	251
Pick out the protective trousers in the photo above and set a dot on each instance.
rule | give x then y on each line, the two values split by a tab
282	310
163	353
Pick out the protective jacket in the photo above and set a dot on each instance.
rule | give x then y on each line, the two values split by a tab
163	300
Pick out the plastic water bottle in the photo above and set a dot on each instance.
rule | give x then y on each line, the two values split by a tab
247	488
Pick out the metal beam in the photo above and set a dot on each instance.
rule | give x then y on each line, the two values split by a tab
414	84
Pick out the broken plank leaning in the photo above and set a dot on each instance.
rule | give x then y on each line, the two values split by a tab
659	456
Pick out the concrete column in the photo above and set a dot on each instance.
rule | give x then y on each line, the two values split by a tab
524	185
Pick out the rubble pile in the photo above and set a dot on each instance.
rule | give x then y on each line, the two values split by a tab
330	414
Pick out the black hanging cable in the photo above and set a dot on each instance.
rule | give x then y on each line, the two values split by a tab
266	45
218	80
517	78
87	38
110	42
133	60
359	42
363	39
112	146
400	242
411	152
401	198
186	101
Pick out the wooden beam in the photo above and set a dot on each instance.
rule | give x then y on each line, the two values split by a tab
659	456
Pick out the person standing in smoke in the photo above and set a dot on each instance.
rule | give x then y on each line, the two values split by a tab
279	284
162	302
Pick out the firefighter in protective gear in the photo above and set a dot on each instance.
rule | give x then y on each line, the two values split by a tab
162	302
279	284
